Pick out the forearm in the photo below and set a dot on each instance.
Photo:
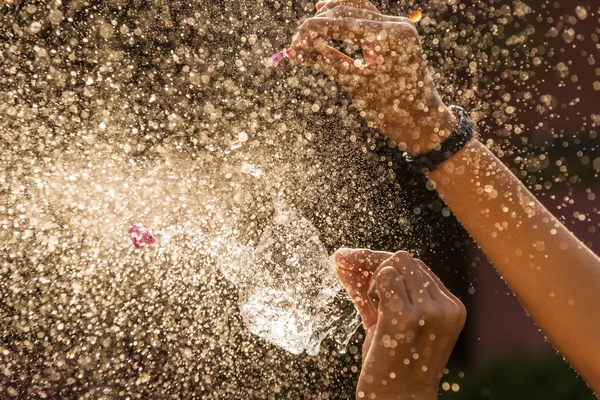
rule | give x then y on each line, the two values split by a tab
554	275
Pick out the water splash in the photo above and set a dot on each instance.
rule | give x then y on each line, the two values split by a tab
289	293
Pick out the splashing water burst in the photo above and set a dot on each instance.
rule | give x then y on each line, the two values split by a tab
165	114
289	293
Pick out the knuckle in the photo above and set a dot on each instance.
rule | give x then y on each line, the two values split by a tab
402	258
402	255
302	30
455	311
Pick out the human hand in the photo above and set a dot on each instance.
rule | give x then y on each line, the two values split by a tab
392	89
411	322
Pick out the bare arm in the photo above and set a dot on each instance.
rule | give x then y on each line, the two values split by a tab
554	275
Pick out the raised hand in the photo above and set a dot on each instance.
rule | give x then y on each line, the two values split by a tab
411	320
392	88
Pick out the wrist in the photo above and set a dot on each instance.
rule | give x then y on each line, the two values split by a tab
436	127
450	144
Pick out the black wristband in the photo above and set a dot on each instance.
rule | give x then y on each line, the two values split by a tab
464	132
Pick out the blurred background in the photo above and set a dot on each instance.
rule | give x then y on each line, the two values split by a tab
115	112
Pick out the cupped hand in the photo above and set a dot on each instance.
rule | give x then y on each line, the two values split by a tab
392	87
411	321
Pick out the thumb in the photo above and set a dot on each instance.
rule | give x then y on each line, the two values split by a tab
355	268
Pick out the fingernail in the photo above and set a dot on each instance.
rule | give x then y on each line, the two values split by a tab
320	5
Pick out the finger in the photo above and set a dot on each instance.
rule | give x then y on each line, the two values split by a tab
323	58
344	11
359	259
393	328
430	320
452	319
354	269
308	46
391	296
416	282
437	291
356	285
373	294
427	313
353	3
352	30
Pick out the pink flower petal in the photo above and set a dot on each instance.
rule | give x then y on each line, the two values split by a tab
277	58
141	236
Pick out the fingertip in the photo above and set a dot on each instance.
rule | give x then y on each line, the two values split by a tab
359	259
320	5
340	257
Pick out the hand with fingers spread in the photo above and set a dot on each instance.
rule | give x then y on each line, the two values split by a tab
392	88
411	321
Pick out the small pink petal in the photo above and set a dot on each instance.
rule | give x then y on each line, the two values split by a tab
277	58
141	236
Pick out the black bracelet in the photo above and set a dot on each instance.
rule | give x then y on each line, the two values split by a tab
463	133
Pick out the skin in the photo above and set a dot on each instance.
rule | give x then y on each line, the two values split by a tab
411	322
554	275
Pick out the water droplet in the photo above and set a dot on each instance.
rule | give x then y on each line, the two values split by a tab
35	27
251	170
235	145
